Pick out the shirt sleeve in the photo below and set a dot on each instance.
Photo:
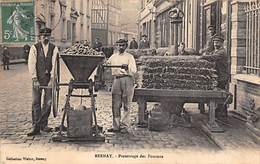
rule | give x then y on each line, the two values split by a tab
215	56
54	57
32	62
132	66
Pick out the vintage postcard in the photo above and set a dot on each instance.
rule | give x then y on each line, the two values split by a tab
130	81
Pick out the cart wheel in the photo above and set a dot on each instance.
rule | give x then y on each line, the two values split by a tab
56	88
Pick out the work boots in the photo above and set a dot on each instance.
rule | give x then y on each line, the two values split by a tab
46	129
35	131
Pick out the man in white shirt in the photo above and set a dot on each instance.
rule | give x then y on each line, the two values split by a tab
123	86
41	64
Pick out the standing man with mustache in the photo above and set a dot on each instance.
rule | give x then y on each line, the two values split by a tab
123	86
220	58
41	64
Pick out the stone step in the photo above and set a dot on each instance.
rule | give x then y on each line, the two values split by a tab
235	136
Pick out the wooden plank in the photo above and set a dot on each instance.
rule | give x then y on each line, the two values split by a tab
212	124
180	93
179	99
141	111
212	107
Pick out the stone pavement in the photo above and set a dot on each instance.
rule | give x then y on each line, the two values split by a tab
236	135
15	113
15	122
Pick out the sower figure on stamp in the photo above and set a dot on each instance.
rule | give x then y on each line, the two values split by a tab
41	64
123	86
219	56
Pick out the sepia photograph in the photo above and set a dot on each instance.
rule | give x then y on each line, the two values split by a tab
130	81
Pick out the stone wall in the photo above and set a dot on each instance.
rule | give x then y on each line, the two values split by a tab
248	93
238	36
238	45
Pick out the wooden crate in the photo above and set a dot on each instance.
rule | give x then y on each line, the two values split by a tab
79	123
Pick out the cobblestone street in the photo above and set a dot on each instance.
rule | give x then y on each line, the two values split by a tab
15	122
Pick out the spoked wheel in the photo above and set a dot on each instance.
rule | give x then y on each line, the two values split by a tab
56	88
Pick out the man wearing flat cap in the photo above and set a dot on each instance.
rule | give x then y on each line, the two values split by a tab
144	43
133	44
97	45
220	58
123	86
41	64
209	45
209	48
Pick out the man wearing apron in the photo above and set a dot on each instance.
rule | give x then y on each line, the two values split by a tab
41	64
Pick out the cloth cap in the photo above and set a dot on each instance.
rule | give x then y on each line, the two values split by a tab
121	42
210	27
45	31
218	38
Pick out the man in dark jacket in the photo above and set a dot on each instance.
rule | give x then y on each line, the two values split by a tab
6	58
144	43
41	64
26	50
181	49
133	44
209	45
97	45
220	58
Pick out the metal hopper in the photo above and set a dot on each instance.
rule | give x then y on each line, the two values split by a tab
81	66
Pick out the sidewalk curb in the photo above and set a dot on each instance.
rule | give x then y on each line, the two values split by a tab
254	132
212	136
16	61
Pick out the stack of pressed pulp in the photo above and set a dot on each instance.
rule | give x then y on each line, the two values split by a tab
177	72
81	49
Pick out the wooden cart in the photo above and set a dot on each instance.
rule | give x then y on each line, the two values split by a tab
211	97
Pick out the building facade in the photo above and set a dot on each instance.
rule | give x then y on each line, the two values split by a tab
129	18
69	19
156	23
20	21
105	21
238	21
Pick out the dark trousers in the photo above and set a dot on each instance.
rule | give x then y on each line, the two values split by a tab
221	111
40	114
6	63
